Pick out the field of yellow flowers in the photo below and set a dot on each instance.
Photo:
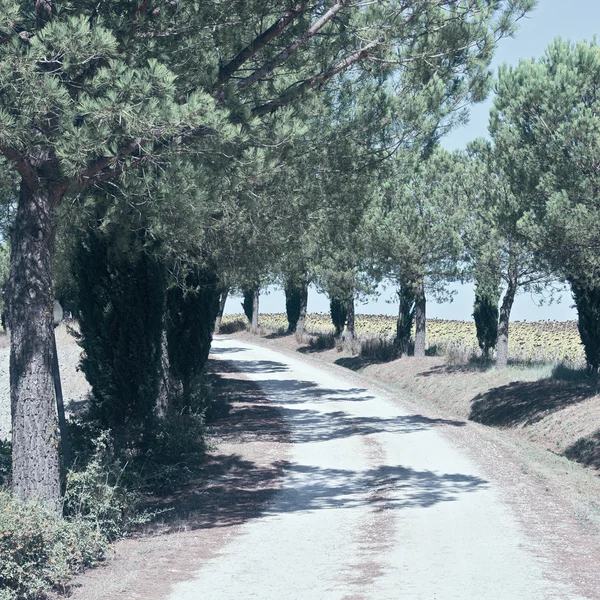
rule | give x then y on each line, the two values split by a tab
538	341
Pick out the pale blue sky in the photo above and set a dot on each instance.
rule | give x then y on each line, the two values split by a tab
576	20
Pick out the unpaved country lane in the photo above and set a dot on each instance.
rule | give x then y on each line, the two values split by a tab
376	505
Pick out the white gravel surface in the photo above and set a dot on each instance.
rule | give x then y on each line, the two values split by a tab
376	505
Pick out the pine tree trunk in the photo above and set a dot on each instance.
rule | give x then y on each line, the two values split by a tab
503	321
35	457
301	325
222	301
255	297
165	384
420	318
350	319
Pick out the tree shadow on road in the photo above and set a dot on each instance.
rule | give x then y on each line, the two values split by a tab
389	487
231	489
247	366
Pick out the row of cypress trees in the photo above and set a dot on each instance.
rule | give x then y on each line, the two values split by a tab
145	337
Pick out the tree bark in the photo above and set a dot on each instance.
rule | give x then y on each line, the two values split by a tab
166	383
255	296
35	457
503	321
420	318
222	301
350	319
301	325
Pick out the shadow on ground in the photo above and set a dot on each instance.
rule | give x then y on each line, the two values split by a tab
356	363
230	489
526	402
389	487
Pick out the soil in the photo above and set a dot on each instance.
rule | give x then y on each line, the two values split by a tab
526	420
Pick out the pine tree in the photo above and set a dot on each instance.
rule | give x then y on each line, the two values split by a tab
90	90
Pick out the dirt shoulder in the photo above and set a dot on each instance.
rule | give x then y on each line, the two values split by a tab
557	500
240	476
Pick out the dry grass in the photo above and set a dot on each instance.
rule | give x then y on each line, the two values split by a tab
531	342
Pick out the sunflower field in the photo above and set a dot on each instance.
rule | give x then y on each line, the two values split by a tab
536	341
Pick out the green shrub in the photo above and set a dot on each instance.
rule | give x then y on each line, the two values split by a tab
180	443
39	552
323	341
99	494
379	349
233	326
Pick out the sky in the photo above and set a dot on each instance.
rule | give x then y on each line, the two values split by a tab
576	20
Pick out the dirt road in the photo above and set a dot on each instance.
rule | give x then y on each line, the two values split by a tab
377	504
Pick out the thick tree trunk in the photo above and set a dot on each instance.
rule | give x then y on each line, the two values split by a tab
350	319
35	458
420	318
301	325
503	321
222	301
255	296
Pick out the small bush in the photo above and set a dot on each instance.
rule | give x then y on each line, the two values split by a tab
98	495
380	349
324	341
348	343
457	353
39	552
180	443
233	326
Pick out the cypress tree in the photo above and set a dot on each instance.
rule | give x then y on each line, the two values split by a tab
587	300
121	299
406	317
486	314
293	303
339	314
248	303
190	320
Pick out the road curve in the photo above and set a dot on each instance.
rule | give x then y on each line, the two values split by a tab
376	505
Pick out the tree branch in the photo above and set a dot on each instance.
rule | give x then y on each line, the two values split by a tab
312	82
293	47
227	71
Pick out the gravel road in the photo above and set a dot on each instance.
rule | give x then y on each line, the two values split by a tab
377	504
